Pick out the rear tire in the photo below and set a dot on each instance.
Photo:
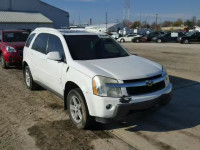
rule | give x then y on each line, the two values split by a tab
78	111
3	63
30	84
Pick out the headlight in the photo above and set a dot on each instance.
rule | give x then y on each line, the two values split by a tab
100	88
10	49
164	74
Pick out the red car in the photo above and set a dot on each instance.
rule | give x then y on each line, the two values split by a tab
11	47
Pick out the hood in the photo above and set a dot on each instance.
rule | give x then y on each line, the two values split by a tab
16	45
124	68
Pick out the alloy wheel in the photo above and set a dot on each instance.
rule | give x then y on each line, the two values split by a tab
76	109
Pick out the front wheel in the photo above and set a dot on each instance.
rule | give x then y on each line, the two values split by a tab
186	41
30	84
3	63
122	41
77	108
159	41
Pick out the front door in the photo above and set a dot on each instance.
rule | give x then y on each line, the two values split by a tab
54	69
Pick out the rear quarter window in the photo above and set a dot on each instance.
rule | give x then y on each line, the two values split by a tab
29	40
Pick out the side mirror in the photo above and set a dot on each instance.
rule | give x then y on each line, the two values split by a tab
54	56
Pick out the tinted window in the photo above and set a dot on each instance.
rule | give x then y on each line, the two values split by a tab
88	47
54	44
28	42
40	43
0	37
15	36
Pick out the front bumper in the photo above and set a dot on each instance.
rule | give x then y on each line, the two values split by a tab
13	59
119	111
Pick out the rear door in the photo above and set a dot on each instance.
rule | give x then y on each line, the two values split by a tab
38	57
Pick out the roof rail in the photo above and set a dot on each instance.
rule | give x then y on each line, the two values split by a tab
45	28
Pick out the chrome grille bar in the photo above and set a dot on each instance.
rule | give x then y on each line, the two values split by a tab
136	84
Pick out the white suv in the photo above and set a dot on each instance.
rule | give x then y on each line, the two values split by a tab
93	74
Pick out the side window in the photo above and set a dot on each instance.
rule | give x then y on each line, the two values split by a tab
0	37
29	40
55	44
40	43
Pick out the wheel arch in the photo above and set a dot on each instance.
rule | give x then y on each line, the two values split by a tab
70	85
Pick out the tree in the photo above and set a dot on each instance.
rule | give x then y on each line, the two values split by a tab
194	21
189	24
136	24
198	23
167	24
155	26
145	25
178	23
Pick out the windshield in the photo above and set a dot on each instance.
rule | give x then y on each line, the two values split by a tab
89	47
15	36
190	33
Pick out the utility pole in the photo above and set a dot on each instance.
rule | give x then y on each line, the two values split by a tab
106	21
156	21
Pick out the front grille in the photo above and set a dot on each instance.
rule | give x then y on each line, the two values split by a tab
143	79
21	54
139	90
20	49
145	89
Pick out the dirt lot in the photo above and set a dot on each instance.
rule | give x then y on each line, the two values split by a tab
36	120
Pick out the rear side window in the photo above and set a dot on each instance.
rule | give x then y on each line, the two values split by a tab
54	44
40	43
30	38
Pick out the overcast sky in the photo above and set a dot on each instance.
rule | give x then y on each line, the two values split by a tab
140	9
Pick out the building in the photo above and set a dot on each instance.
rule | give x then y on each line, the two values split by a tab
111	27
29	14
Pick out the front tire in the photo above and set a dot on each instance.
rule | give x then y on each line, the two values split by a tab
3	63
159	41
77	108
186	41
30	84
122	41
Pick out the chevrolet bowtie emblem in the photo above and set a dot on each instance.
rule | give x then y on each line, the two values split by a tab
149	83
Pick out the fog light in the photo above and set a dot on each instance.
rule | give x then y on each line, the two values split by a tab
109	106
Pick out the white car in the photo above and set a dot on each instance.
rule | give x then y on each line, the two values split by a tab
96	77
128	38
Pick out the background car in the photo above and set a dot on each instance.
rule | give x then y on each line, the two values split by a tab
143	38
11	47
128	38
167	37
190	37
154	34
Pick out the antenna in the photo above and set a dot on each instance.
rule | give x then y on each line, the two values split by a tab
106	21
127	8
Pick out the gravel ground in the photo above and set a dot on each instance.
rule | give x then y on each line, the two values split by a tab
36	120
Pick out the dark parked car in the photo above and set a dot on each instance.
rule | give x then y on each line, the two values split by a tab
154	34
167	37
144	38
190	37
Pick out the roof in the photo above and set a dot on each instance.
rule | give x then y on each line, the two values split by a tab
53	6
70	32
23	17
102	25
